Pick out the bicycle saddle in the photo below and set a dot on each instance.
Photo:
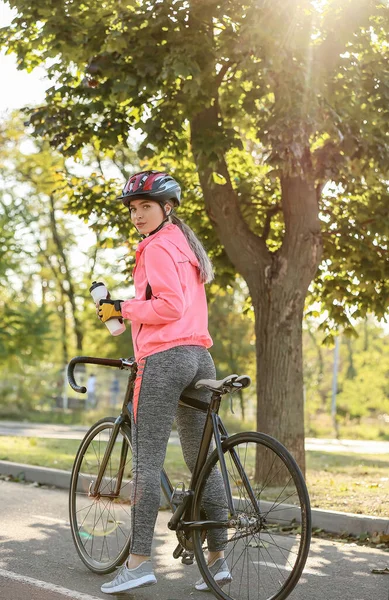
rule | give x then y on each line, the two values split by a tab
219	385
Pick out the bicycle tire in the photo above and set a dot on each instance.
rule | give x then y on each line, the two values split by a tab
256	563
101	526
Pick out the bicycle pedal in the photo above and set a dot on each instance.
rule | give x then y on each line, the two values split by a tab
178	551
178	496
187	558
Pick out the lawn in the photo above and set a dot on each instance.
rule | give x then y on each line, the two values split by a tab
344	482
349	482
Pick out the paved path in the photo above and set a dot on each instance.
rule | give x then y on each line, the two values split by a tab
77	432
36	546
357	446
68	432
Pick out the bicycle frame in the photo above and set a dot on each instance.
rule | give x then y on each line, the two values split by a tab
221	508
122	418
213	427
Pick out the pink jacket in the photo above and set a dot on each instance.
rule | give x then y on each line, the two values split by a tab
176	314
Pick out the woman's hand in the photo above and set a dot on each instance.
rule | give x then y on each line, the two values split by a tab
97	304
110	309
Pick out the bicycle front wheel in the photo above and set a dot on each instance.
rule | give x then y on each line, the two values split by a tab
266	537
100	520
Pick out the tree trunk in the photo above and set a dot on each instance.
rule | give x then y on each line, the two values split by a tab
278	284
351	372
64	337
320	377
278	297
65	270
280	404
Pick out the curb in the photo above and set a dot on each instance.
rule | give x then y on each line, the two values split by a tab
41	475
328	520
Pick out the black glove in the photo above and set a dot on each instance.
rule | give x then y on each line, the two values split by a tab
110	309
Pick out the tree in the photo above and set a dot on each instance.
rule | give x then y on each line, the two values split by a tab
45	274
232	332
284	106
36	205
363	375
39	240
24	326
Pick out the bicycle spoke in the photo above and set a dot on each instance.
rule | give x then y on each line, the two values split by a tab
264	563
101	523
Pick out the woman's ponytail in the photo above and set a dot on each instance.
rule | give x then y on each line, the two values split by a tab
205	265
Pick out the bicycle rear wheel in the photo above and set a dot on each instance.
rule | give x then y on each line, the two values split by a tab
101	524
266	541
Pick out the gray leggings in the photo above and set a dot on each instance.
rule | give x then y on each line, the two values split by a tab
161	380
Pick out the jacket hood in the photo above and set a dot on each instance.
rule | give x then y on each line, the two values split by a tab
171	234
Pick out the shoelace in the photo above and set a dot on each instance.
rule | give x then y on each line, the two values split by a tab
120	574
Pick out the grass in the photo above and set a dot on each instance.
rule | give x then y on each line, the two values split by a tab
54	416
318	425
55	454
349	482
368	428
343	482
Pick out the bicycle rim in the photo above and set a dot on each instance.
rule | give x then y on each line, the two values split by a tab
101	525
266	539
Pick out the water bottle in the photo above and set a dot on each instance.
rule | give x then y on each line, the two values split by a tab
98	292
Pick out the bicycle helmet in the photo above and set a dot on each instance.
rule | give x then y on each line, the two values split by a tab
151	185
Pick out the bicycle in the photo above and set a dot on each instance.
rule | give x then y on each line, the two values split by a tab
266	521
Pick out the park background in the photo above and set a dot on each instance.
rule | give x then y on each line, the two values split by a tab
53	246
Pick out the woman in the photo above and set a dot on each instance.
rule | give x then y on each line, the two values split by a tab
170	335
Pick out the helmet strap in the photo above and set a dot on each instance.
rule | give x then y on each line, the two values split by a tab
159	226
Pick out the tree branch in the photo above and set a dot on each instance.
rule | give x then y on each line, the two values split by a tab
56	273
97	157
269	215
247	251
94	256
70	292
220	76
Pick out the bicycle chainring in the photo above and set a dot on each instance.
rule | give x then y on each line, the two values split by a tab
185	541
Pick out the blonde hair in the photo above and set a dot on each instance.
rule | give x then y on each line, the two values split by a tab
205	265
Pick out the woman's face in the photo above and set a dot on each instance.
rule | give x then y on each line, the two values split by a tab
147	215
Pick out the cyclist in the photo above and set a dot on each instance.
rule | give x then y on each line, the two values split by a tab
169	320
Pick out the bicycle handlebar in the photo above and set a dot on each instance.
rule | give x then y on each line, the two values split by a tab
120	363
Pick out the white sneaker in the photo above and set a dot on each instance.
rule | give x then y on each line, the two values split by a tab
220	572
128	579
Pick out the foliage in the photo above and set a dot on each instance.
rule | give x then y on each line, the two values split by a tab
300	87
273	116
363	378
45	275
19	332
43	262
232	330
233	337
22	322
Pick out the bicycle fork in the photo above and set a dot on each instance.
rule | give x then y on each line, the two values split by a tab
95	487
242	473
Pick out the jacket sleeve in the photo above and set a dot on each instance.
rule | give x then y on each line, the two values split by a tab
167	303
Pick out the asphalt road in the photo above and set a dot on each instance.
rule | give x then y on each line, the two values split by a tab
77	432
37	554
